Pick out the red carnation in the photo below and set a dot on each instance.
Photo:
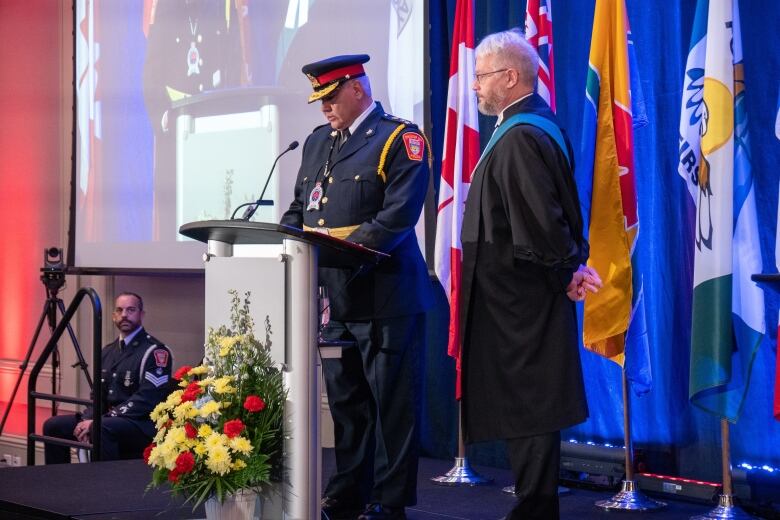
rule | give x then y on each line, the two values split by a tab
190	430
191	393
148	452
185	462
183	371
233	428
254	403
174	475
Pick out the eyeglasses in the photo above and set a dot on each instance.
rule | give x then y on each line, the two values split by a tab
479	77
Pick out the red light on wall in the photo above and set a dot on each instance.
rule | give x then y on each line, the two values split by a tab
680	480
31	89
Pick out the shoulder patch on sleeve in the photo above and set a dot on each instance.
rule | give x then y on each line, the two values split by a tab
415	146
160	357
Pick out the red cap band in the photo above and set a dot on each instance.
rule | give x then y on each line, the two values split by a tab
349	70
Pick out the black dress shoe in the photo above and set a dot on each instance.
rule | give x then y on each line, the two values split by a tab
380	512
335	509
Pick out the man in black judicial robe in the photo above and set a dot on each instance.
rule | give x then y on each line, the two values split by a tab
522	247
363	178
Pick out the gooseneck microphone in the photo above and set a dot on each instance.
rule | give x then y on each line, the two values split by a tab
252	206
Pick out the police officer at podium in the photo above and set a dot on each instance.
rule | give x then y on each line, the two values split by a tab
136	371
363	178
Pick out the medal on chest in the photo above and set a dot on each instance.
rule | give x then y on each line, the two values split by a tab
314	197
128	381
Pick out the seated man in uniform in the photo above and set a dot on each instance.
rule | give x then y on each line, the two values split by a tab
135	377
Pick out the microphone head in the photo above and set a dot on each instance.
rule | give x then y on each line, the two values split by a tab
293	145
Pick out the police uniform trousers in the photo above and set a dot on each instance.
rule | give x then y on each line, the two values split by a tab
372	392
535	462
121	438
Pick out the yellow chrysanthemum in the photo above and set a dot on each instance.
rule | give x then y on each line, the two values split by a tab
174	398
159	411
204	431
192	412
209	408
241	445
239	464
203	383
182	411
169	458
177	435
198	370
167	454
159	436
222	385
156	456
200	449
228	341
218	460
161	420
216	440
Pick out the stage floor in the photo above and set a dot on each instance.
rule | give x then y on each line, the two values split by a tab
116	490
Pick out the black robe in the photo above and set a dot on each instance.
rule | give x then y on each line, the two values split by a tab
522	240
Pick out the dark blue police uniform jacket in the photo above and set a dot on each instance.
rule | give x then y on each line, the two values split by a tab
135	379
377	208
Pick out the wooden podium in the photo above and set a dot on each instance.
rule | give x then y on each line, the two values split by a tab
285	259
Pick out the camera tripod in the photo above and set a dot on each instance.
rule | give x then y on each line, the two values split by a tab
53	278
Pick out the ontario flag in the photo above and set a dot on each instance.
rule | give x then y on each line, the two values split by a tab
614	323
728	307
459	157
539	33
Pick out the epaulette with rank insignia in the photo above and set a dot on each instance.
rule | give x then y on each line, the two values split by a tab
397	119
320	126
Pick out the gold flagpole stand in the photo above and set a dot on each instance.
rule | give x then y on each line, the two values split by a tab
629	498
461	473
726	508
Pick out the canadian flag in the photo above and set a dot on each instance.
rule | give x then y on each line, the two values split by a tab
459	157
538	32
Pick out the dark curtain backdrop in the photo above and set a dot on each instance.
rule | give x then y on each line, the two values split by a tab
664	423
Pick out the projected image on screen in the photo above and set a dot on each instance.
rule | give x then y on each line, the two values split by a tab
183	105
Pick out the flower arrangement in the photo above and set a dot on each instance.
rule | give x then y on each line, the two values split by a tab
221	431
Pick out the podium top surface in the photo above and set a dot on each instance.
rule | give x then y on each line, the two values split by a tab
333	251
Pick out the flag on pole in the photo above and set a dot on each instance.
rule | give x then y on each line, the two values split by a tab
777	262
459	157
405	63
538	32
614	323
728	308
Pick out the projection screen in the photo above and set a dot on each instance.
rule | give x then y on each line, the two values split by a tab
182	106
